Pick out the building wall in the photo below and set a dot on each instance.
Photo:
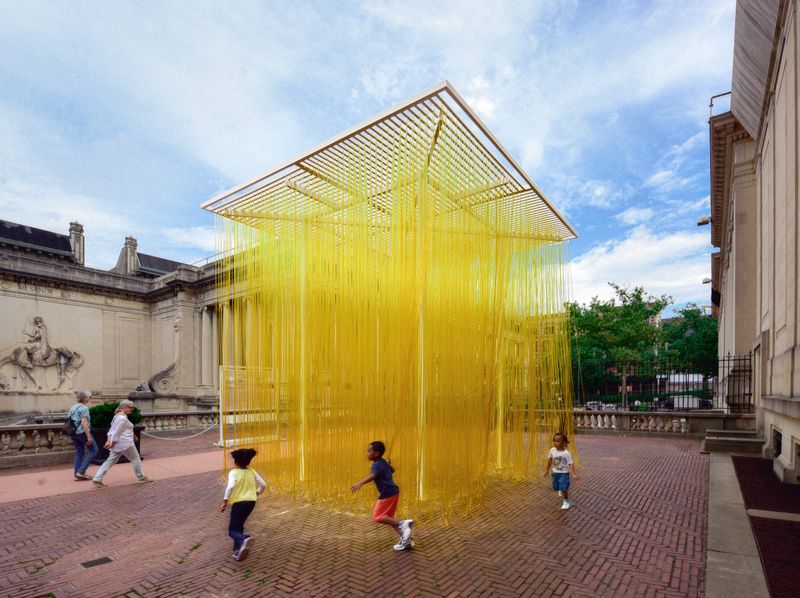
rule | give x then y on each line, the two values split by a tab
123	330
777	285
737	314
756	225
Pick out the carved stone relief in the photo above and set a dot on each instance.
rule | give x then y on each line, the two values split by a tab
34	357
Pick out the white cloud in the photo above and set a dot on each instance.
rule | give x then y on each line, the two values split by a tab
34	193
551	69
133	110
207	81
52	208
673	172
690	206
668	263
200	237
574	194
635	215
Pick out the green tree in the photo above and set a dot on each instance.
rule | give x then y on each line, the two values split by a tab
619	331
691	339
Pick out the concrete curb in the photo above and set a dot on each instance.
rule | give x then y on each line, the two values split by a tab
733	565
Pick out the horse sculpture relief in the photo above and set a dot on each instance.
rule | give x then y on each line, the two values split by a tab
36	352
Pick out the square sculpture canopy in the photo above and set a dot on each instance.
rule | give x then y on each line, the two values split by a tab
402	282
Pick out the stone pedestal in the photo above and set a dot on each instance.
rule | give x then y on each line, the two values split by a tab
12	402
155	402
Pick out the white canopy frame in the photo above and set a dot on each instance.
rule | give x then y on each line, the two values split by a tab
310	187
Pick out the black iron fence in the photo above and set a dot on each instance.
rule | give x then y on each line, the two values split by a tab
724	384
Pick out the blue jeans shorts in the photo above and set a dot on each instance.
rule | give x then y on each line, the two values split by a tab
560	481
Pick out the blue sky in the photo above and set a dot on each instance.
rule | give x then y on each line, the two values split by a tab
127	116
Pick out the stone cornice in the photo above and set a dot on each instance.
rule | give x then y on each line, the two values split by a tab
724	131
38	271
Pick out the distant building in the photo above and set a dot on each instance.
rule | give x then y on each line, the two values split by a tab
148	322
655	320
756	219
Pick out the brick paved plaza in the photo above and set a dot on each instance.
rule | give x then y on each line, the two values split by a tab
637	527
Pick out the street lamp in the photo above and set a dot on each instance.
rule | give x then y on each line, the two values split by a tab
703	220
706	281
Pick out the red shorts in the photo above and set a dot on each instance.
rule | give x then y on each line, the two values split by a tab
385	507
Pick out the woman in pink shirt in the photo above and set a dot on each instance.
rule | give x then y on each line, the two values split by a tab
120	442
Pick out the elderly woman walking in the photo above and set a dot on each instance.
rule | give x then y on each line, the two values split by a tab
120	442
85	446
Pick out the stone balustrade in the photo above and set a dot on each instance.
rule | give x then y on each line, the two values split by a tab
33	439
44	443
644	422
179	420
691	423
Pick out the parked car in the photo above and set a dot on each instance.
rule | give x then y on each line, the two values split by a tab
681	402
594	405
685	403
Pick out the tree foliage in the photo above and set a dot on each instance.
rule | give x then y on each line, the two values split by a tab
692	339
617	331
609	334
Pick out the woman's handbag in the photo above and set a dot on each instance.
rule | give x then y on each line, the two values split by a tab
68	427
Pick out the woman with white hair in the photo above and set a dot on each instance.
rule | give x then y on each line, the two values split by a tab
120	442
85	446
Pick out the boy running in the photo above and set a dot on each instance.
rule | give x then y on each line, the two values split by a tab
389	494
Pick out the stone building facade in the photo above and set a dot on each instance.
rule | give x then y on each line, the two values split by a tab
149	323
755	222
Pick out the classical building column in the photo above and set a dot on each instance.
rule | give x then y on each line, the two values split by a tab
225	334
247	335
214	346
206	347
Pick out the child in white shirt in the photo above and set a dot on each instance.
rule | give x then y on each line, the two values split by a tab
244	484
559	467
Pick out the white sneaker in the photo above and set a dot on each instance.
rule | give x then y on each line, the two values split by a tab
561	493
401	545
565	505
236	555
405	530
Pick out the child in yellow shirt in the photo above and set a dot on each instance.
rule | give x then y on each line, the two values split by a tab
244	484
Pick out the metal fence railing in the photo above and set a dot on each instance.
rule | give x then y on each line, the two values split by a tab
724	384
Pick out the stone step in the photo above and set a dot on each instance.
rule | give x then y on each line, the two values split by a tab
721	444
731	434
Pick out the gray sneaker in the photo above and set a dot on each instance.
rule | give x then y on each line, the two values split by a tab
98	484
245	548
144	480
82	476
400	546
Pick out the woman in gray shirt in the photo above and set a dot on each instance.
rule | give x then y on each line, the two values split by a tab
85	446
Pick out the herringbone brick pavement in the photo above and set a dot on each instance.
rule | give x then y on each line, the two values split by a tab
637	528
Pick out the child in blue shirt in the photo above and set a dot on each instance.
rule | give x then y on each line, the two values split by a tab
388	495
